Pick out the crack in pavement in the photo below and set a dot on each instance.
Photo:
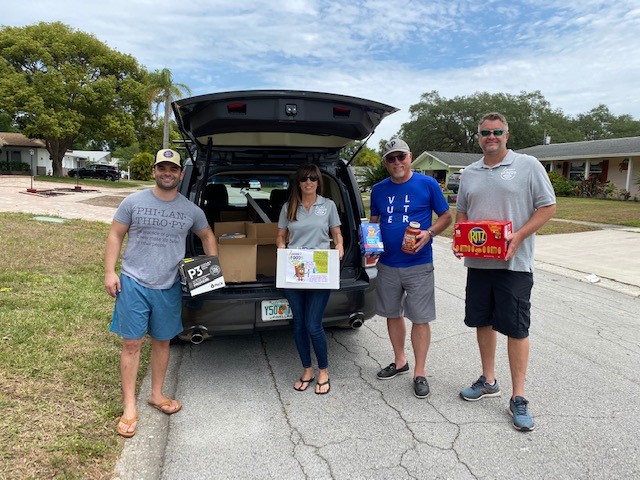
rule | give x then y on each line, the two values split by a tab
295	437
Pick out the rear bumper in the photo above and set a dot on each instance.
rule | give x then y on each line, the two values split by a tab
238	311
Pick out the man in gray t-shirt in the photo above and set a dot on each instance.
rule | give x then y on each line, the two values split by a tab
148	294
503	185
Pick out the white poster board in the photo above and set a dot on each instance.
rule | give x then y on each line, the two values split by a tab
299	268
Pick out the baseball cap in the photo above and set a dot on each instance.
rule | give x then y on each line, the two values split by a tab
395	145
167	155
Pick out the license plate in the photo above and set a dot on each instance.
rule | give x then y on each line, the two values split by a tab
276	310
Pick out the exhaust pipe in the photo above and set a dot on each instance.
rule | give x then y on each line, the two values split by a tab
356	320
196	337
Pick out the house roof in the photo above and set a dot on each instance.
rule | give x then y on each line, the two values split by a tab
450	159
611	147
19	140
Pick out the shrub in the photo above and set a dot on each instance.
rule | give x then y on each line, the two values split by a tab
593	187
374	174
15	166
141	165
562	186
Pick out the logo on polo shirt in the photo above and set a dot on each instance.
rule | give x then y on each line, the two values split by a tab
508	173
321	210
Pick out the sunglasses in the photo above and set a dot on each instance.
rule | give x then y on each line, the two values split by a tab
497	133
313	178
393	158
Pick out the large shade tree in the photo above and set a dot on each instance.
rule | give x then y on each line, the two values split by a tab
163	90
64	86
450	125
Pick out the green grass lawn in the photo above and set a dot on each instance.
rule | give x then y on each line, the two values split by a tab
59	365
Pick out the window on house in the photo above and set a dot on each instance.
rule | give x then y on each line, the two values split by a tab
595	169
576	170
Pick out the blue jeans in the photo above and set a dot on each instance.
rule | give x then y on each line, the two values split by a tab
308	307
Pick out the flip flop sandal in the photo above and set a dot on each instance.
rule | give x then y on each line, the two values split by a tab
168	402
128	422
328	382
303	387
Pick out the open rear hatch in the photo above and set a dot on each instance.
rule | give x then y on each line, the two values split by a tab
277	118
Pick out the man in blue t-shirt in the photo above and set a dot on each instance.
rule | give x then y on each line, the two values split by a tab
405	284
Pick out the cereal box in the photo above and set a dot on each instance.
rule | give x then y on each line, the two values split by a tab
370	239
481	239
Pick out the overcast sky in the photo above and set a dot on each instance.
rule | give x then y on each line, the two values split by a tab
579	54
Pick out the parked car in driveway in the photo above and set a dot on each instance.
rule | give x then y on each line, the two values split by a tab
240	138
453	183
99	171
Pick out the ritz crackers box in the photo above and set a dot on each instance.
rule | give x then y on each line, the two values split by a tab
481	239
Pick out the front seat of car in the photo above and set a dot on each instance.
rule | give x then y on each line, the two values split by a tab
278	197
216	199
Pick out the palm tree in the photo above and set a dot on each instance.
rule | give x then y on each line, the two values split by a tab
162	89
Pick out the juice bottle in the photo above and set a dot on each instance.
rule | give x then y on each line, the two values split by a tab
409	240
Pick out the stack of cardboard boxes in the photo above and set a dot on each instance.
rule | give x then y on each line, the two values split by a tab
246	250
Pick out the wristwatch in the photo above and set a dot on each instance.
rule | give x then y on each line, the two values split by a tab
432	233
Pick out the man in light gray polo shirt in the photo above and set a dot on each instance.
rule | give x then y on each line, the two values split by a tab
503	185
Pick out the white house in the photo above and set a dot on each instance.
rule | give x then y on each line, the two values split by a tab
15	147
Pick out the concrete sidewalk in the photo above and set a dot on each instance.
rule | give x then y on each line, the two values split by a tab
60	199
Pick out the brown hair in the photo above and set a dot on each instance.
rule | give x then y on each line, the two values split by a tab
295	197
494	116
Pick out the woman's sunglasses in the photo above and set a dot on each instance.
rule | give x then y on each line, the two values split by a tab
313	178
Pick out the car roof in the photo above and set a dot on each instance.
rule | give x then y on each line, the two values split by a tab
282	118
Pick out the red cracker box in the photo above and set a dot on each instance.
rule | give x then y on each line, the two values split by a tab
481	239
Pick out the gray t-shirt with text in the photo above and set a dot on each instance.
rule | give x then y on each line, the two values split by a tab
157	233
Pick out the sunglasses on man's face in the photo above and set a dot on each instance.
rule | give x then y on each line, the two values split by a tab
497	133
313	178
393	158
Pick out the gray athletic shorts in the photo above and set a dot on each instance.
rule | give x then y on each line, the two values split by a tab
406	291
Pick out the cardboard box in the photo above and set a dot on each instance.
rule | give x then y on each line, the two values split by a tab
370	239
481	239
201	274
237	254
265	235
311	269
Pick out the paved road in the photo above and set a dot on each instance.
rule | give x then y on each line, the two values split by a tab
242	419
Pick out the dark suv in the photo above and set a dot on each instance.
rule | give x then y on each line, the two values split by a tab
99	171
453	183
237	138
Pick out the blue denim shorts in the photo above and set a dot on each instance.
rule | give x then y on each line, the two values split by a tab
139	310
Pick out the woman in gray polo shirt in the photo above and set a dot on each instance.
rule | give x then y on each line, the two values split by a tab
309	218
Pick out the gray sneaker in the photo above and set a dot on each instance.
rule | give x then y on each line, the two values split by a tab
480	389
519	410
391	371
420	387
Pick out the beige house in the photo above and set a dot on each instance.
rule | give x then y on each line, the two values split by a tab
616	160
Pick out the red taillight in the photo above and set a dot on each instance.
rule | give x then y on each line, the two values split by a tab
370	260
237	107
341	111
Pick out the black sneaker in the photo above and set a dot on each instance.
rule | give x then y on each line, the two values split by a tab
420	387
391	371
